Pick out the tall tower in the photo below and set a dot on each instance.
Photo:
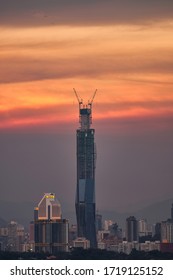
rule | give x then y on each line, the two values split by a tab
86	157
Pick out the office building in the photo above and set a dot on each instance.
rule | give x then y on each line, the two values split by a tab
72	234
98	222
15	237
108	224
142	227
50	230
86	158
144	230
167	231
81	242
131	229
157	231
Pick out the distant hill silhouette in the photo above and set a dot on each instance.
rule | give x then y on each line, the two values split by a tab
3	223
21	212
154	213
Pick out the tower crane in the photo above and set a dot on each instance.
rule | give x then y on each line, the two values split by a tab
80	100
90	102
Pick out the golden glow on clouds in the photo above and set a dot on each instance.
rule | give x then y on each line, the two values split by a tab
130	65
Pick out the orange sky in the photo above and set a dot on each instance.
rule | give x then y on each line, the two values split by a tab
130	65
123	48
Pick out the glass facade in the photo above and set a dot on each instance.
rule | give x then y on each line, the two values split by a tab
51	236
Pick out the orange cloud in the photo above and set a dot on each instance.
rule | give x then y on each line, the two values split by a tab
130	65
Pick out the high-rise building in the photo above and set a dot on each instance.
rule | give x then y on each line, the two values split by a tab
50	230
142	227
15	237
86	157
108	224
167	231
98	222
131	229
72	234
157	231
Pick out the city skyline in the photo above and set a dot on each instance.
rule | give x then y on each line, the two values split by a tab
123	48
50	233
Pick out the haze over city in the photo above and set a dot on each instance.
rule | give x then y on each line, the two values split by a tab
122	48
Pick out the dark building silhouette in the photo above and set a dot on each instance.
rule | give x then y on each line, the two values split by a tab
157	235
172	212
85	192
131	229
98	222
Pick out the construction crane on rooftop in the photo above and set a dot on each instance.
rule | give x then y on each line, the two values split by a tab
80	100
92	99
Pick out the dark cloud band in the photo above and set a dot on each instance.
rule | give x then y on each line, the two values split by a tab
75	12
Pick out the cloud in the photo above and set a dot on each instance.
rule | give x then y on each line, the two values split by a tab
122	113
68	12
31	54
24	68
35	112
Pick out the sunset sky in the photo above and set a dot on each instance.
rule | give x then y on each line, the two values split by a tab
122	48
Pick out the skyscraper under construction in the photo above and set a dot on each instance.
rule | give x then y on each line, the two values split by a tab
86	158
